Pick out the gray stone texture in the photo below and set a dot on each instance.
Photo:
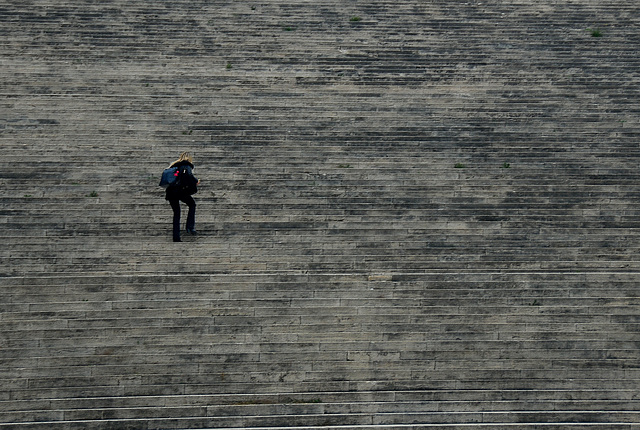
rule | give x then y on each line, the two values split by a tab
413	214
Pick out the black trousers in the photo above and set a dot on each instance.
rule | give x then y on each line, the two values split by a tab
191	216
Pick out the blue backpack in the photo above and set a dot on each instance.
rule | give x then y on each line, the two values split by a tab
179	180
169	177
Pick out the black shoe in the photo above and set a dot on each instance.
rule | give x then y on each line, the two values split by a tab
192	231
177	240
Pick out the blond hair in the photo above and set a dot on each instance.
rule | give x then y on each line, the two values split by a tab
185	156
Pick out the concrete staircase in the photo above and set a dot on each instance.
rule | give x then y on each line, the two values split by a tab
412	215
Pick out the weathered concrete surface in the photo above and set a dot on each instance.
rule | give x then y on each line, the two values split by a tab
411	213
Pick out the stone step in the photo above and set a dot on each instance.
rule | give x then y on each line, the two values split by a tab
496	412
384	422
595	426
127	411
422	399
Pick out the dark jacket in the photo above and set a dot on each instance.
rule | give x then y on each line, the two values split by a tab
174	192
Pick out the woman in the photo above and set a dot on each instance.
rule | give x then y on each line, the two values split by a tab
181	190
